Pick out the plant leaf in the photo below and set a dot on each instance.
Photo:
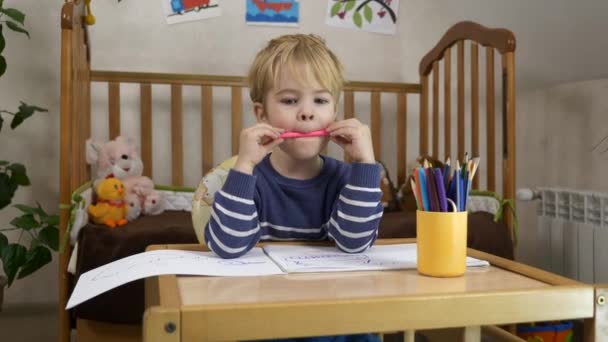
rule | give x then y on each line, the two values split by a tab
39	209
25	208
2	66
35	259
3	242
2	41
13	256
11	25
7	190
335	9
357	19
25	111
51	220
14	14
49	236
1	119
4	162
368	13
350	5
26	222
18	174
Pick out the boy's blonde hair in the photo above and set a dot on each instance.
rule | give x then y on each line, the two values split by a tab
292	51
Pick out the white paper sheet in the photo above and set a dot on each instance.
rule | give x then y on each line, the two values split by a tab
293	259
161	262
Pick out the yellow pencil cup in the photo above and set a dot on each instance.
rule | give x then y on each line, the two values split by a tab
442	243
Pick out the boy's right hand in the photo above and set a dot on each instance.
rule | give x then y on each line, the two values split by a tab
255	143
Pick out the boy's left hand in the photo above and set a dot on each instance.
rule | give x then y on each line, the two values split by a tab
355	138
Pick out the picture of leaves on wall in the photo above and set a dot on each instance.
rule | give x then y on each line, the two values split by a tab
378	16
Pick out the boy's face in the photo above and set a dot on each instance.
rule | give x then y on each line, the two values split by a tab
298	105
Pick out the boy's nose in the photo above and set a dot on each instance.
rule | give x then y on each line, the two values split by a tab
305	117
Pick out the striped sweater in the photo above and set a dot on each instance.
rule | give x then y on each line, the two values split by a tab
342	203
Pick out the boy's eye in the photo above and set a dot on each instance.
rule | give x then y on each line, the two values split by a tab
289	101
321	100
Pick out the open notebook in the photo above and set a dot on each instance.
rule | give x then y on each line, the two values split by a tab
270	260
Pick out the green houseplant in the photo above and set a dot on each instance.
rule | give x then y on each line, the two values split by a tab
24	256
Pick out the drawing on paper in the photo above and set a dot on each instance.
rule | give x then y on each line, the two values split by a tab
273	12
151	261
329	260
178	11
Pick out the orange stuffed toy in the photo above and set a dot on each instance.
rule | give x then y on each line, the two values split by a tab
111	209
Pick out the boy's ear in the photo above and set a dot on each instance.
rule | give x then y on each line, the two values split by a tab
258	110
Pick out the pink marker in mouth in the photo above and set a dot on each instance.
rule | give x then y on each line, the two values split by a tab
318	133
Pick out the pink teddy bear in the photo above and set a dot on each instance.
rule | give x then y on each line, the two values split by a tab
119	158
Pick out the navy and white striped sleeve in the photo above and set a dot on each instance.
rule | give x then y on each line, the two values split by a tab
233	227
354	221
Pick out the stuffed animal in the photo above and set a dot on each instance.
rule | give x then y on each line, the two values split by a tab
389	200
154	204
210	184
134	206
111	209
119	159
116	158
151	202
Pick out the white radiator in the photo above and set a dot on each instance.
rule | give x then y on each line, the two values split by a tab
572	232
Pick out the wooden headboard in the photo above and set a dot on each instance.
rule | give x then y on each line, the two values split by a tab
77	77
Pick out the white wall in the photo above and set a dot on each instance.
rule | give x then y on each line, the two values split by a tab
556	132
132	35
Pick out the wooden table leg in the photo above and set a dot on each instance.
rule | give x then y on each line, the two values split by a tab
161	325
408	336
471	334
596	328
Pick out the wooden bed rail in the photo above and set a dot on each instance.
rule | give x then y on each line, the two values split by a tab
74	129
473	35
237	85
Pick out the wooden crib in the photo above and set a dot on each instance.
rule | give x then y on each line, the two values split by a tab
77	77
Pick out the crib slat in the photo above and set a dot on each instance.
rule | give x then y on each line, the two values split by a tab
424	115
237	117
86	119
376	124
490	117
75	124
447	102
508	126
401	137
475	105
87	124
349	110
460	60
207	127
114	108
177	163
436	109
145	108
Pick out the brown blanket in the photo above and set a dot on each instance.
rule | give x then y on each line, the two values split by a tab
99	245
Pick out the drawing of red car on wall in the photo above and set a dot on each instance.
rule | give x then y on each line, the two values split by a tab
183	6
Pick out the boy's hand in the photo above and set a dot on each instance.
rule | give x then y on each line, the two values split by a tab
355	138
255	143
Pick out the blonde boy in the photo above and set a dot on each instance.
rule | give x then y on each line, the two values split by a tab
283	189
